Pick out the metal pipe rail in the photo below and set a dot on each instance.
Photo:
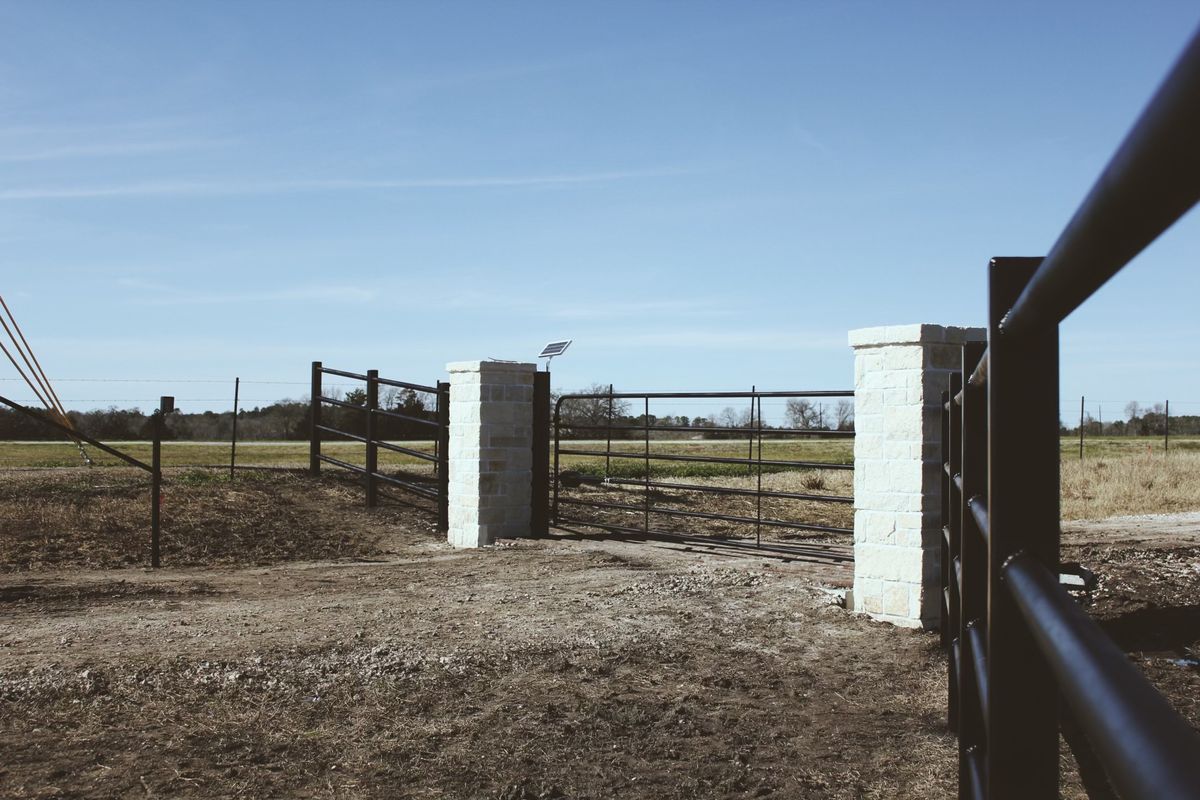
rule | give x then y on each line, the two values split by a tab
820	498
1151	181
1148	750
817	432
673	512
702	395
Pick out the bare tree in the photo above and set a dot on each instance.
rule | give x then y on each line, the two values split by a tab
803	413
844	413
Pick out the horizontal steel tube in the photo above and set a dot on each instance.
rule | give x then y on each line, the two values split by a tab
396	415
416	387
975	785
342	403
957	480
353	436
412	487
979	513
946	535
977	643
343	374
692	487
958	580
946	469
1148	749
978	379
704	459
343	464
395	448
1151	181
676	512
701	395
826	552
745	432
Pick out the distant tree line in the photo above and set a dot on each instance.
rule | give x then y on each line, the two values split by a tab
1138	421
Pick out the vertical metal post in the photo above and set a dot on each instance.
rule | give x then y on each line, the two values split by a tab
646	512
750	425
233	438
372	457
165	406
1023	506
608	442
554	487
972	563
1167	427
758	494
944	560
442	450
1081	427
951	542
314	442
539	496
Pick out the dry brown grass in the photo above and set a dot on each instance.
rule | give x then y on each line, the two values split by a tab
1146	483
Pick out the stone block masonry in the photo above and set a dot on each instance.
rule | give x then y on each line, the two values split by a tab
491	451
900	372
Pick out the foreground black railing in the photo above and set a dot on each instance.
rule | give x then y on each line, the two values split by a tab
373	426
1020	648
637	513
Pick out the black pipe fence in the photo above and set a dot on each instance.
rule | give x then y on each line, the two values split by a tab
1019	647
378	428
166	405
653	491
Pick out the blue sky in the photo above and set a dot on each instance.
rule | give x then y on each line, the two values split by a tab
703	195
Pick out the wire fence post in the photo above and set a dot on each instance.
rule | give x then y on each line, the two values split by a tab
233	439
372	458
1081	427
165	406
608	440
314	442
1167	427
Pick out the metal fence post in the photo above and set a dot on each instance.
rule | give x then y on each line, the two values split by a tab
442	450
372	459
165	406
973	567
1023	506
540	481
237	383
951	539
314	443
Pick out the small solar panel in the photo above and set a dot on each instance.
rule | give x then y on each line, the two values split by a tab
555	349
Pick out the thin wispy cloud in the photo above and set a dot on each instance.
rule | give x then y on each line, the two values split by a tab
234	188
105	149
157	294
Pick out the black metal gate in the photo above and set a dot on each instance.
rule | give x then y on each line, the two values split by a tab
365	420
748	484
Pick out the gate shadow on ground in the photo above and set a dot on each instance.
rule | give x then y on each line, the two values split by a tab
1156	629
731	548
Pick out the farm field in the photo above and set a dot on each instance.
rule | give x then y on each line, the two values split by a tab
296	644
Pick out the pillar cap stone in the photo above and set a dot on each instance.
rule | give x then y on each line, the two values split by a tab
917	333
490	366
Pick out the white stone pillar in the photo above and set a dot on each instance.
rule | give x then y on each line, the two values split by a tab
491	451
900	372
